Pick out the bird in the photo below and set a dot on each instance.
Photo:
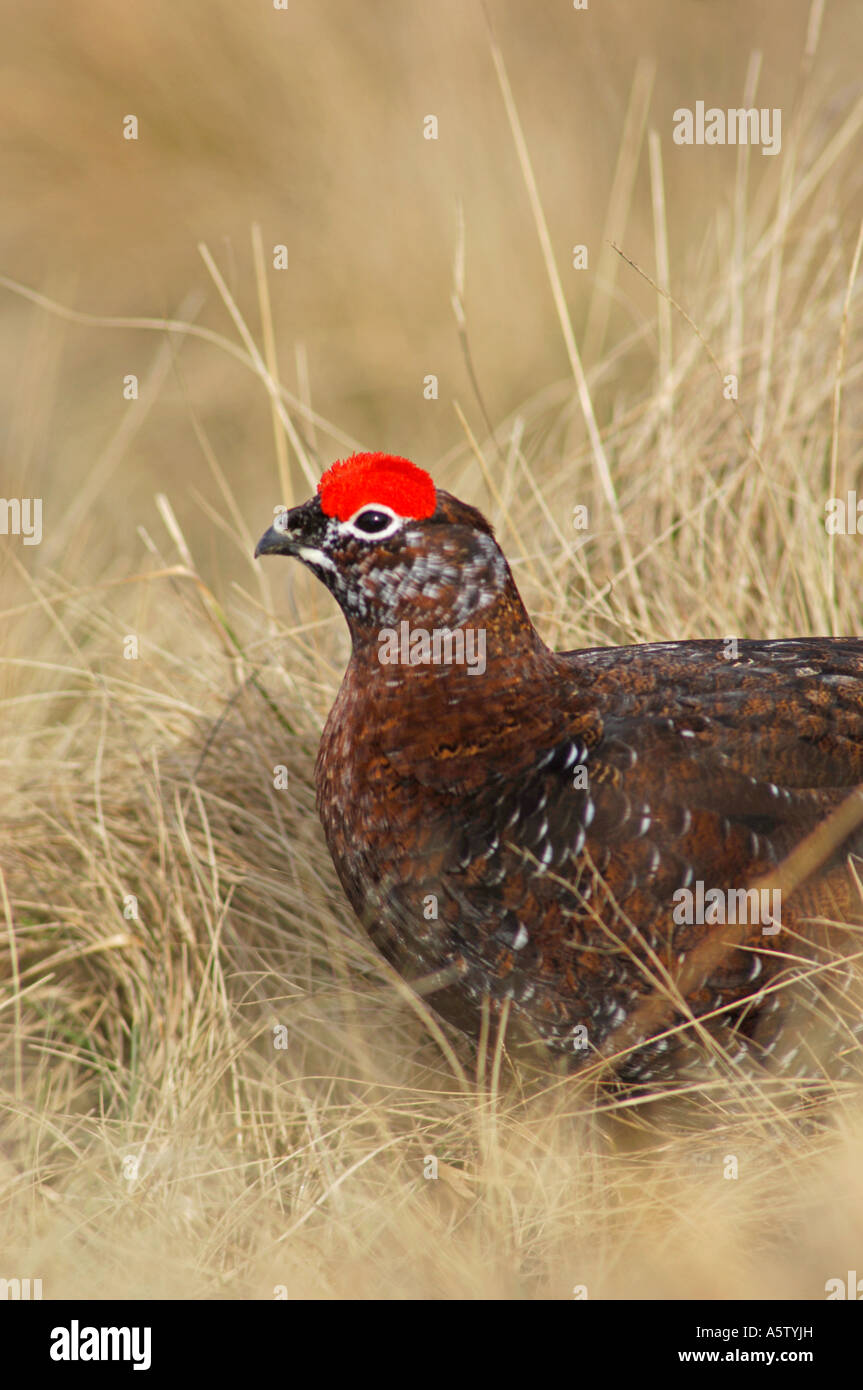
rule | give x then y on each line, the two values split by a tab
638	857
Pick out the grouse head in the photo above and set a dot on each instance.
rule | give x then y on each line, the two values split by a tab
391	547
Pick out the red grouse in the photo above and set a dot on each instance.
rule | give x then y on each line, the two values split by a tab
579	842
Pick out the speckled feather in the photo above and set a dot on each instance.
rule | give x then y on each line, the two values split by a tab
552	897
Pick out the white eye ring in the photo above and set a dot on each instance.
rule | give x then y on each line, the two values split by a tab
395	522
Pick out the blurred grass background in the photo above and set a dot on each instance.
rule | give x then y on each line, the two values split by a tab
309	122
153	1140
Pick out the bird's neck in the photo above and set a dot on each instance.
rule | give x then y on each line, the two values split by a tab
426	702
432	646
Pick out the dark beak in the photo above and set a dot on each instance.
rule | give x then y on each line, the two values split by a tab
277	541
294	529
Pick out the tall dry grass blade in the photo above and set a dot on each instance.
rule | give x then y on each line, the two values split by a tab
841	352
736	318
663	279
619	205
582	389
271	357
268	381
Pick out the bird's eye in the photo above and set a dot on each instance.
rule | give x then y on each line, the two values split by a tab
378	521
372	522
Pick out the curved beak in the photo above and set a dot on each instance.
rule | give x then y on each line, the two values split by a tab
299	532
277	541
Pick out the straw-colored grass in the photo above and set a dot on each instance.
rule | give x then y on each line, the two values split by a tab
212	1086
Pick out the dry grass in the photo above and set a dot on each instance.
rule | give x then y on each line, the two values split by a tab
165	911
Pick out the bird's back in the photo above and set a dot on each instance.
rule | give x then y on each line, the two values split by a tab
577	841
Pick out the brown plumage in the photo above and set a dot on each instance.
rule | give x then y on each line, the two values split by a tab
528	827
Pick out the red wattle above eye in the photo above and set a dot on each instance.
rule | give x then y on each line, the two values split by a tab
385	479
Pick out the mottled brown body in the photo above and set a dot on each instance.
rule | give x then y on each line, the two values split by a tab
697	768
519	836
